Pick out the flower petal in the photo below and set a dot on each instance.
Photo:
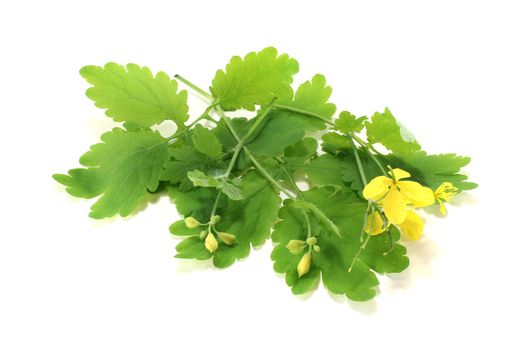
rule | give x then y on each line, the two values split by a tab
412	227
394	206
400	174
377	188
374	224
442	207
416	194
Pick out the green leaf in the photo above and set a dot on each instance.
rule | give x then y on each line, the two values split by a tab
385	129
192	248
313	96
325	170
198	202
249	219
182	160
348	123
434	169
254	80
132	94
336	254
299	154
381	258
123	168
206	142
334	143
198	178
179	228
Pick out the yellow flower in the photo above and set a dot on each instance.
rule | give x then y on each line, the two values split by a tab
211	243
412	227
395	195
444	194
374	224
304	264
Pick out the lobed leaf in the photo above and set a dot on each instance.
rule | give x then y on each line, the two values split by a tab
132	94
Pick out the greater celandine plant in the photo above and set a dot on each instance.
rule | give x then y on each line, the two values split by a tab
228	176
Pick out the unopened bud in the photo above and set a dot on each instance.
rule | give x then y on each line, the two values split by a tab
203	234
311	241
215	219
295	246
211	243
317	249
227	238
304	264
191	222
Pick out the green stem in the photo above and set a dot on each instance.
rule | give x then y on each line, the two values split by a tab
359	252
303	112
369	148
204	115
358	161
300	195
193	86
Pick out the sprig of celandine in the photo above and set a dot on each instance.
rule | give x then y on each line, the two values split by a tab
228	180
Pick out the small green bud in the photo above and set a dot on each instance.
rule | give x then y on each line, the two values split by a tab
191	222
296	246
203	234
227	238
211	243
215	219
311	241
317	249
304	264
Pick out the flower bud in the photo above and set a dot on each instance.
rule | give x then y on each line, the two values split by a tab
311	241
227	238
304	264
295	246
317	249
191	222
203	234
215	219
211	243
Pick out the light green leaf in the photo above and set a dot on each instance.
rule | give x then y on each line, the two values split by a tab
347	123
123	168
132	94
182	160
206	142
385	129
200	179
254	80
325	170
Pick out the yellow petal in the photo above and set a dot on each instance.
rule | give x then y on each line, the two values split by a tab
412	227
377	188
400	174
394	206
442	208
374	224
416	194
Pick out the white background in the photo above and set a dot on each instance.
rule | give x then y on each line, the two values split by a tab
451	71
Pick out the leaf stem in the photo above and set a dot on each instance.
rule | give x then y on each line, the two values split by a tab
300	195
358	161
303	112
193	86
